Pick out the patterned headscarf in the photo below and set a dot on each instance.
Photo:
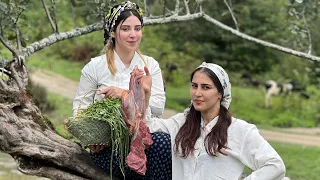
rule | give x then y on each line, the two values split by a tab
224	81
112	16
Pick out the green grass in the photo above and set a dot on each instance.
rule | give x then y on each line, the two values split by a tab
177	98
302	163
67	68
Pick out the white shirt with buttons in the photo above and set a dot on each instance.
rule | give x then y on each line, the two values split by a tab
96	75
247	148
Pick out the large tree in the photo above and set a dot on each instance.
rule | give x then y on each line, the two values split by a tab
25	133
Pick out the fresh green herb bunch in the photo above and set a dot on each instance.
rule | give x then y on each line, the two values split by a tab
101	123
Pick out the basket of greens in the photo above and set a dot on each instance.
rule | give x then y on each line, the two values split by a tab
101	123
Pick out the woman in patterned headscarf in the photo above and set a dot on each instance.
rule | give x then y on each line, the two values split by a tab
207	142
111	73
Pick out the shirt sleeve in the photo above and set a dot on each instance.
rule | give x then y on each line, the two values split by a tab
170	125
157	98
86	88
259	155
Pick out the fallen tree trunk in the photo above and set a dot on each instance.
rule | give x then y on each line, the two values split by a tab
31	140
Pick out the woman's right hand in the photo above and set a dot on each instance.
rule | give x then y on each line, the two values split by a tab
96	148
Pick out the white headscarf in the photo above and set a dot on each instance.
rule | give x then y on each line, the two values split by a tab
224	81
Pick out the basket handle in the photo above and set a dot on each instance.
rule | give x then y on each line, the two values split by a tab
78	110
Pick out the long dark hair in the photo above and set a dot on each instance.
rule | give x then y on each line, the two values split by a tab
188	134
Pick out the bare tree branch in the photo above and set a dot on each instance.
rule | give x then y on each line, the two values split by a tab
186	6
18	39
6	44
307	29
173	18
199	4
55	14
146	10
54	38
232	14
49	16
177	8
261	42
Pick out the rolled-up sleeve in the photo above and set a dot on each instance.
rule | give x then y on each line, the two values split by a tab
260	156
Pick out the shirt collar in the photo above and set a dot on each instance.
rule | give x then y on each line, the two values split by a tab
121	67
210	125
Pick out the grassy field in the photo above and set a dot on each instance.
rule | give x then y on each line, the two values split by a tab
302	163
55	64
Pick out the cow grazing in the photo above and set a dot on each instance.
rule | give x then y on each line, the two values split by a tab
274	89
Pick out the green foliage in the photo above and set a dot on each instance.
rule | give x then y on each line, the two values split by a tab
40	96
178	97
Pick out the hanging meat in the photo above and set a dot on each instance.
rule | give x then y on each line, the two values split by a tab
133	105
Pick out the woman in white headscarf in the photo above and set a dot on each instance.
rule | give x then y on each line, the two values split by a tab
207	142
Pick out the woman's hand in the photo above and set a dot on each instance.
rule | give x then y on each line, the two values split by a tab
96	148
146	80
111	92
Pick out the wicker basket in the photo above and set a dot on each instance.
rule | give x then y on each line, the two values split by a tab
89	131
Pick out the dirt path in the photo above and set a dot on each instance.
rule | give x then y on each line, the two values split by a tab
58	84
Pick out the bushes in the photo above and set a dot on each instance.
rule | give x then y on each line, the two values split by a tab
40	96
83	52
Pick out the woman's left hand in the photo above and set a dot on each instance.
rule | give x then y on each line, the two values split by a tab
146	79
111	92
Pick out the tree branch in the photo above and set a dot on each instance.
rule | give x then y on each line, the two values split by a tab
187	6
199	4
146	10
177	7
261	42
49	16
55	15
15	76
307	29
6	44
232	14
18	39
173	18
54	38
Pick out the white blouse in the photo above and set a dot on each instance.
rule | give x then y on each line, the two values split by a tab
96	75
247	148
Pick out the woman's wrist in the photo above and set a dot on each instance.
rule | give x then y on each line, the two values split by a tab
147	98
